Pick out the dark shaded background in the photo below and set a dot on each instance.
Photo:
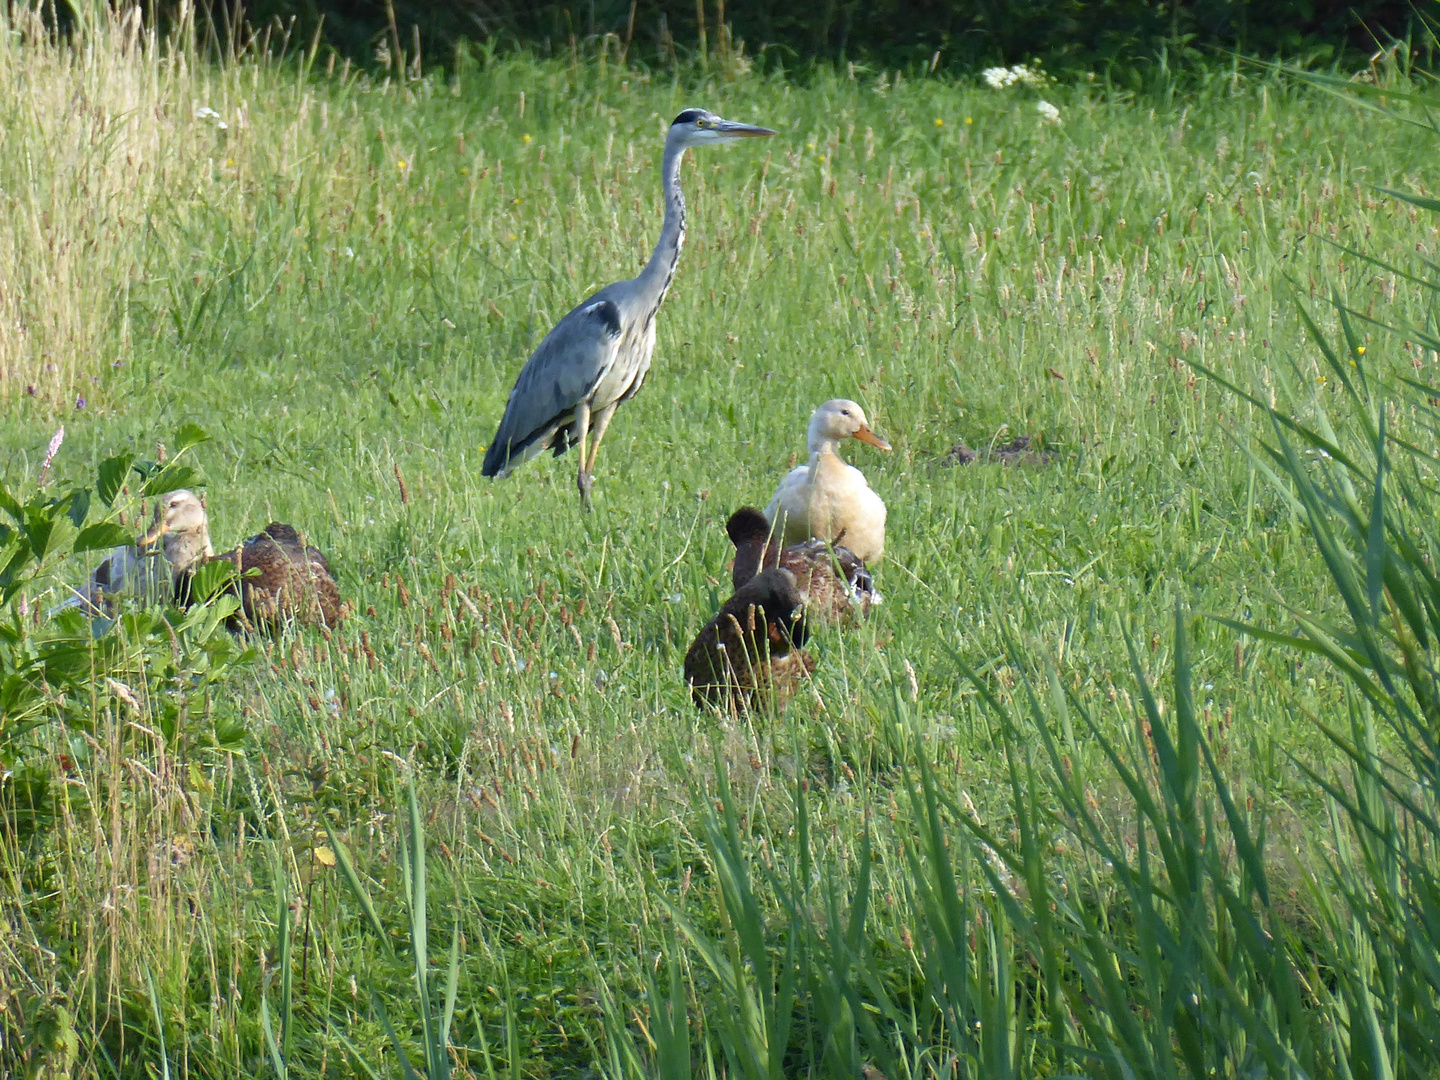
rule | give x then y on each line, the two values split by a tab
1093	34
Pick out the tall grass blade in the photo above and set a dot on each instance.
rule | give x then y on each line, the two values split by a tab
357	887
277	1059
159	1016
285	927
405	1066
1376	550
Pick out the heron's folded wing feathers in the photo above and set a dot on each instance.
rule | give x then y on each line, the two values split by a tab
560	375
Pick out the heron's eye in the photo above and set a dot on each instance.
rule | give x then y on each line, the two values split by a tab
703	123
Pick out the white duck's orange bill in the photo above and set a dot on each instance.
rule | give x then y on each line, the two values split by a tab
865	435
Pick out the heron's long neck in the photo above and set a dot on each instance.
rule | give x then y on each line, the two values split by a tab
655	279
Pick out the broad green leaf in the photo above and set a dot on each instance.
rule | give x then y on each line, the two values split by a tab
225	606
190	435
79	508
100	536
11	507
39	527
111	477
171	478
212	577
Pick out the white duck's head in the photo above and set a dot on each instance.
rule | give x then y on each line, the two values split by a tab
836	420
183	528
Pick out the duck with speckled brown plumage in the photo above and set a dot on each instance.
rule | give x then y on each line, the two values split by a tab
749	655
283	579
833	583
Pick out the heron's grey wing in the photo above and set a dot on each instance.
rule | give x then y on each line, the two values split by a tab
117	574
123	572
562	373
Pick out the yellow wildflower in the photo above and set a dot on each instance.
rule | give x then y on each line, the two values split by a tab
939	121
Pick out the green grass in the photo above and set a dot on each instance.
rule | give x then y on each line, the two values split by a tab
341	287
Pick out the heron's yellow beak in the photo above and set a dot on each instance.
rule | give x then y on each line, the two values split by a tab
865	435
159	529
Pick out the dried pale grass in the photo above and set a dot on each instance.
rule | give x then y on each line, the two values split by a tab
100	130
92	127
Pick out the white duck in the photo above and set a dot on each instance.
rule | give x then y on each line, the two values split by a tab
827	499
183	530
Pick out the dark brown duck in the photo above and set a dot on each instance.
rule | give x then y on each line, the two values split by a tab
749	654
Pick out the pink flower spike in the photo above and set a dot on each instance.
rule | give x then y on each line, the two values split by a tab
51	451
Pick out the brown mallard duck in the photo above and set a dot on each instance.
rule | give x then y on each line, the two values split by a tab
749	654
833	583
282	578
153	574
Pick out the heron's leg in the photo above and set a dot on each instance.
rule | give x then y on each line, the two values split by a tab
582	425
602	421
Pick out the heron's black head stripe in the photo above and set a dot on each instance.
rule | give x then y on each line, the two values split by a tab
689	116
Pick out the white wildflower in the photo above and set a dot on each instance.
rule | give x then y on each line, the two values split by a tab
204	112
1049	114
998	78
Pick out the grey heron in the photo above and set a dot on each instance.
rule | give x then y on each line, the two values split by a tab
597	355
